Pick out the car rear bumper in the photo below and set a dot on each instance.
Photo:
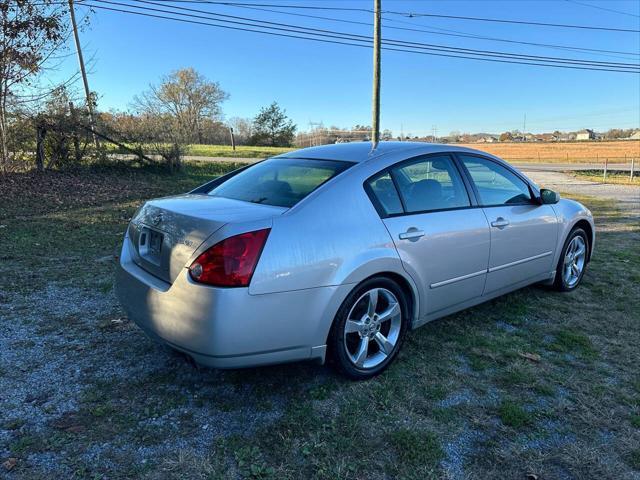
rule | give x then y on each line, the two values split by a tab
228	327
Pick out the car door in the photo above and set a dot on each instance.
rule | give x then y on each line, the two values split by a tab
523	232
442	239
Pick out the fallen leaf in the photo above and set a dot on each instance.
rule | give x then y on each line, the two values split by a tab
534	357
10	463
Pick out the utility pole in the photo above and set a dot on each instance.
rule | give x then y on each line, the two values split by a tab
87	92
233	139
375	123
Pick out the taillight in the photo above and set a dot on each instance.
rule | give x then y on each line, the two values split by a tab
231	262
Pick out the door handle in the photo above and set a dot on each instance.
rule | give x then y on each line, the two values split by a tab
411	234
500	222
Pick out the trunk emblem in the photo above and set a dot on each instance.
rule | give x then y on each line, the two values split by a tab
156	219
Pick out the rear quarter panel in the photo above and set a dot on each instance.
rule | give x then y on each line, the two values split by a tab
334	237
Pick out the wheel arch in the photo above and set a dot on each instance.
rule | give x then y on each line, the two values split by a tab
406	285
408	289
586	226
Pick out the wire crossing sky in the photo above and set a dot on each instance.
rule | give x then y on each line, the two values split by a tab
455	66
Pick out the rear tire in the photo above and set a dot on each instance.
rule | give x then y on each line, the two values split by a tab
573	261
369	328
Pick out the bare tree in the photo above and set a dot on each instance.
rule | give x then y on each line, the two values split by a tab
242	129
188	97
30	32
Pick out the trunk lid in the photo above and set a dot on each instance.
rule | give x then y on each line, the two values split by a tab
165	232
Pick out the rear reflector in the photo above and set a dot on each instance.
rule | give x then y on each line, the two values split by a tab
231	262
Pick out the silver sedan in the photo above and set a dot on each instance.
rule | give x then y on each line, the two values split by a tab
337	251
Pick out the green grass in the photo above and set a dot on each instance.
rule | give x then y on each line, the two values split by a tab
570	341
613	176
241	151
634	459
459	396
416	450
513	415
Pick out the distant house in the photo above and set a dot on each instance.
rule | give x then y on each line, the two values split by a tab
586	134
487	139
635	135
546	137
567	137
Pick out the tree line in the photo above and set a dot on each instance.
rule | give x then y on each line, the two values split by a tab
49	126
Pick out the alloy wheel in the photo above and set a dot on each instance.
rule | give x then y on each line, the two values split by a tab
373	327
574	261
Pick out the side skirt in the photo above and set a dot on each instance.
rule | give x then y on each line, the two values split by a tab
544	277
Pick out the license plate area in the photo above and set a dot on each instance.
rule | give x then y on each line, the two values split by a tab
150	245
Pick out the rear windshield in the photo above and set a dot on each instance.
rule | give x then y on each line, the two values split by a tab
281	182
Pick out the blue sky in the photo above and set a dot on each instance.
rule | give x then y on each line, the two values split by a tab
318	82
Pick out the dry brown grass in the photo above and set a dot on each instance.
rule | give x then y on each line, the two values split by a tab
578	152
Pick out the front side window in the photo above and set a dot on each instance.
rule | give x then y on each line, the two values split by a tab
279	182
496	184
431	183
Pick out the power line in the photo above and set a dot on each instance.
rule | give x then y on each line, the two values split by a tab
454	34
517	22
348	41
603	8
41	96
363	38
411	15
457	33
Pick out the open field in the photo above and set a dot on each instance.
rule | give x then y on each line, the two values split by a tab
620	178
580	152
241	151
534	383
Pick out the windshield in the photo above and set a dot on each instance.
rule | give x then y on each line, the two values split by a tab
281	182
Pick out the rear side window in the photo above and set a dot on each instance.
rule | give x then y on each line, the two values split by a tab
386	195
278	181
496	184
431	183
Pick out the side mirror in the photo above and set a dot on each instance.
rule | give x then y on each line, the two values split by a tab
548	196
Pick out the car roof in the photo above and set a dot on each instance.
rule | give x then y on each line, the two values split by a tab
362	151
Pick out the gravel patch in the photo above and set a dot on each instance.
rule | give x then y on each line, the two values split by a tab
71	364
42	376
626	196
457	451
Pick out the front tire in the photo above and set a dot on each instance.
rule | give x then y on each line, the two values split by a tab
369	328
573	261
